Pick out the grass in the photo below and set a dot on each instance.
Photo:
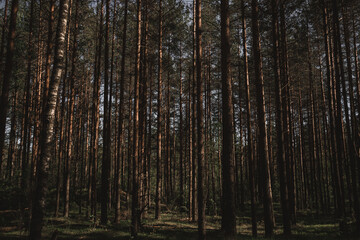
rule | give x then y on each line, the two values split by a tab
175	226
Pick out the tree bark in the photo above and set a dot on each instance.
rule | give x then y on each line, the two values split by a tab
135	208
159	108
279	124
262	144
106	161
121	115
200	127
38	208
249	125
228	221
4	100
181	133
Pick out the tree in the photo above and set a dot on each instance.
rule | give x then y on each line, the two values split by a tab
227	161
159	140
26	132
121	115
4	100
38	208
200	119
249	124
135	208
279	124
262	144
105	171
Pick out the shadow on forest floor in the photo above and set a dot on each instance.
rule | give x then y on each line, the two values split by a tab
176	226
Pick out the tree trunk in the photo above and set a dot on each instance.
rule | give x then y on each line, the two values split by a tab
338	115
159	136
3	33
262	144
121	115
4	100
25	154
249	126
279	124
135	208
200	128
228	221
38	208
106	161
181	200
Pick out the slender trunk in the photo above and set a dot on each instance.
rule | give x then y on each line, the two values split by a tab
262	144
200	127
135	209
3	33
329	75
286	114
69	157
194	133
25	154
7	78
249	125
279	123
106	161
181	134
121	115
338	115
159	106
190	147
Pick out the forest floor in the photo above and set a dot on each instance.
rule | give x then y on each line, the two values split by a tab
175	226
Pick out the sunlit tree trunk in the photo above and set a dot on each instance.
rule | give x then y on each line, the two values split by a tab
38	208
